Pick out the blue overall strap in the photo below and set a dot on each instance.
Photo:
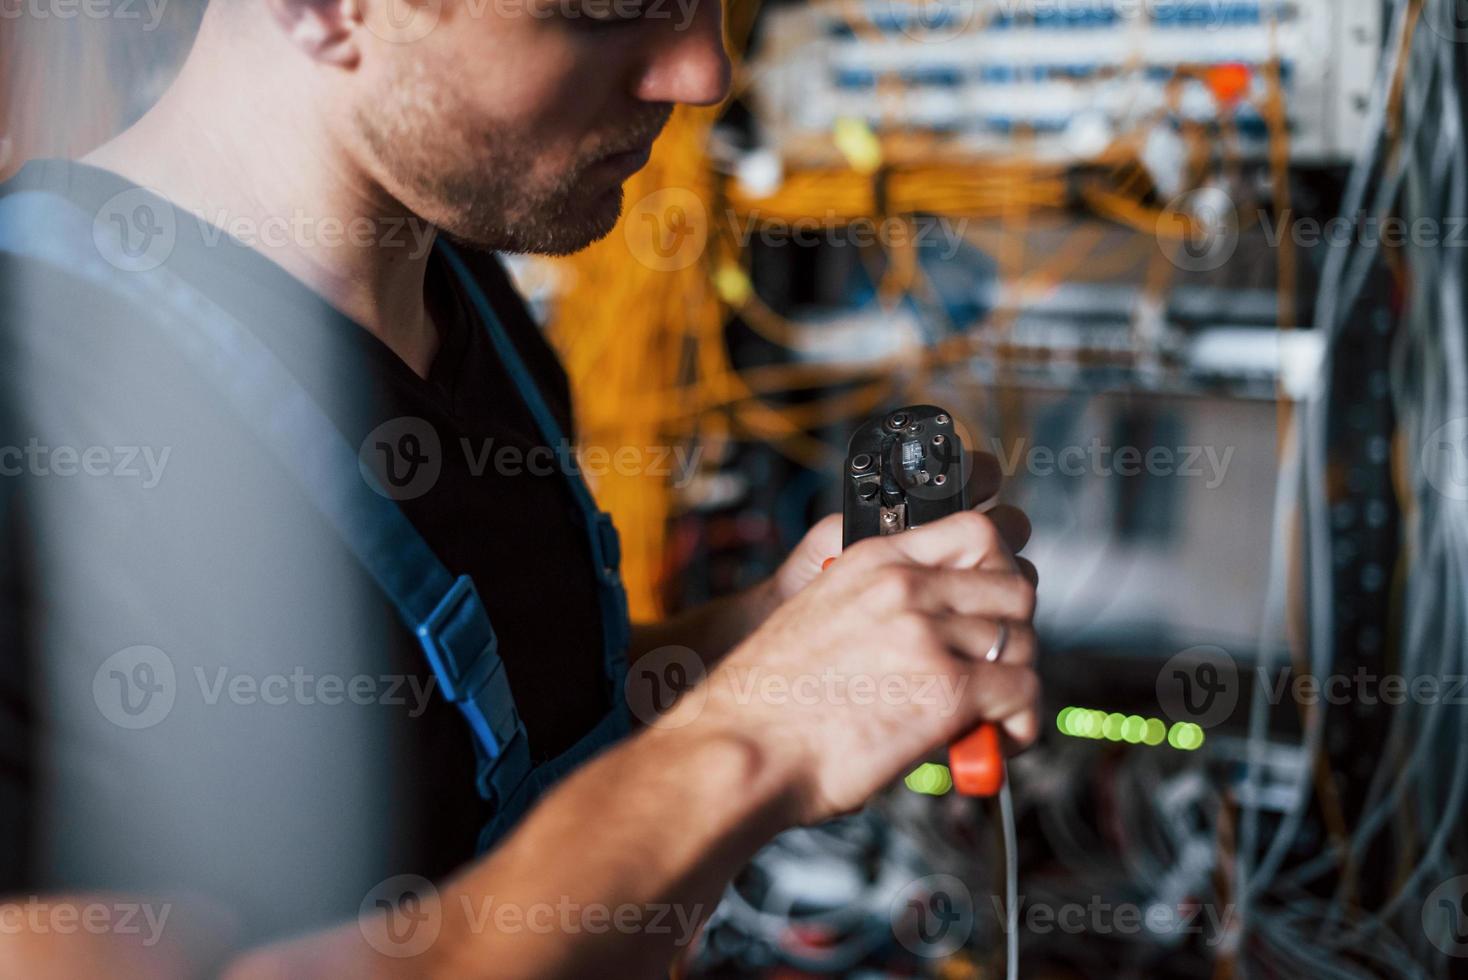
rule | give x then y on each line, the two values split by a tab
445	612
606	548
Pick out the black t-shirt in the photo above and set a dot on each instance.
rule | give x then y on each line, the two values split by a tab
296	757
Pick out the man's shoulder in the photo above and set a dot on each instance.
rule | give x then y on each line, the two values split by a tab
58	321
51	269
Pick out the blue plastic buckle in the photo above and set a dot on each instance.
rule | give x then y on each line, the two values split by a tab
463	650
503	781
609	549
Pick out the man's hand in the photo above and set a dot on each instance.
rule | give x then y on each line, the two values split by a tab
907	619
824	540
716	627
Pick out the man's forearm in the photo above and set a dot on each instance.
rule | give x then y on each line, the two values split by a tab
712	629
715	628
610	875
657	826
78	936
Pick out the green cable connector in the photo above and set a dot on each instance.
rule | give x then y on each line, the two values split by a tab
1114	726
1185	736
930	779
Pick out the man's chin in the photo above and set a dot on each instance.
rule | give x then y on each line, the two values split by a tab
570	230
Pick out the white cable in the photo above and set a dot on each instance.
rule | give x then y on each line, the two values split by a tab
1430	386
1011	880
1329	317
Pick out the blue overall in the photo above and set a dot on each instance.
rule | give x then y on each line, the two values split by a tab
444	611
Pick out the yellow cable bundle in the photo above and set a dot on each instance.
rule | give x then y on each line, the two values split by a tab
631	305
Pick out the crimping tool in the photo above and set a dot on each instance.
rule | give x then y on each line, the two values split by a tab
905	469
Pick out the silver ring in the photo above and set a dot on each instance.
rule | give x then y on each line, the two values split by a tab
997	650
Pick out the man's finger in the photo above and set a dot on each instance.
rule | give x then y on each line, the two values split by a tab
966	540
974	637
823	540
1014	526
964	592
1007	695
985	477
1019	731
1028	570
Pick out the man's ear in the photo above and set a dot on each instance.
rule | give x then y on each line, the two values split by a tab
324	29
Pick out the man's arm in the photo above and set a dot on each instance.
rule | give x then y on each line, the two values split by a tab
656	826
571	895
665	820
565	896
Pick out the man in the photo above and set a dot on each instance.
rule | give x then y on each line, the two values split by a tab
213	714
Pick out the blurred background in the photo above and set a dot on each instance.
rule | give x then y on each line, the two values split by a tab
1192	270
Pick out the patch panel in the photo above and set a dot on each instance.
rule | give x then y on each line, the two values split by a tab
1066	15
992	73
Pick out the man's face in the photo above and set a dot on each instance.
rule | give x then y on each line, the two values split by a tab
511	124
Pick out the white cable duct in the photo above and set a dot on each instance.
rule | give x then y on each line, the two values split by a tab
1287	492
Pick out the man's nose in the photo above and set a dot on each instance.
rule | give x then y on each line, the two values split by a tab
687	63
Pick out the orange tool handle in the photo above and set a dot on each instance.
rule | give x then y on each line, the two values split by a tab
976	762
